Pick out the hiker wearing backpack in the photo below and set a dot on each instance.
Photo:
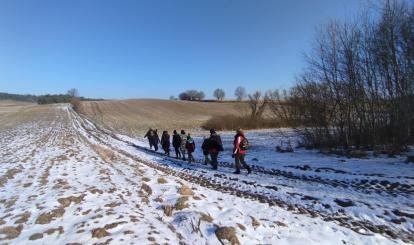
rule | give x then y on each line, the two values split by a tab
190	146
214	147
155	140
150	135
176	144
183	150
204	147
241	144
165	142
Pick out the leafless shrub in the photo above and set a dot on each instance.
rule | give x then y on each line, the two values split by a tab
196	226
168	209
76	104
257	104
230	122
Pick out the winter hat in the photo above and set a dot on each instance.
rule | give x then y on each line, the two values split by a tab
212	131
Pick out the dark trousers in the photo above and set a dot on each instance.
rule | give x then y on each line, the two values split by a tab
239	158
166	150
214	157
190	157
177	152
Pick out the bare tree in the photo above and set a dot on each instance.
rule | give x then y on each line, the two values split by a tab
73	92
75	101
219	94
240	93
257	104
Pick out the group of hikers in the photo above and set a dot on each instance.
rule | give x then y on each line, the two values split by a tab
184	145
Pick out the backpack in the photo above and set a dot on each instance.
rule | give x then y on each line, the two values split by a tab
215	142
190	145
244	144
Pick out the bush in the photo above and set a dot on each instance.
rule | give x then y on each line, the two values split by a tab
231	122
192	95
76	104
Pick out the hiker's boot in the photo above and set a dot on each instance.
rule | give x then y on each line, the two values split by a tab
236	172
249	170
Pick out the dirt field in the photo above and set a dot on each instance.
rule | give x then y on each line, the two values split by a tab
13	113
133	117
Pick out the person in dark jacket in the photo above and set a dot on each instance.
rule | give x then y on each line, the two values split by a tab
204	147
155	140
165	142
190	147
214	147
150	135
239	152
176	141
183	144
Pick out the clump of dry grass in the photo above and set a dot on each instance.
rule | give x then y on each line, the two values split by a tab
161	180
181	203
9	175
242	227
23	217
46	218
185	191
255	222
106	154
168	209
146	188
36	236
99	233
66	201
227	233
11	232
206	217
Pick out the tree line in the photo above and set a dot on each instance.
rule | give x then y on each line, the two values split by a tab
46	99
18	97
219	94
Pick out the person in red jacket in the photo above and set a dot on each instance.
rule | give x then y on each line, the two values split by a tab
239	151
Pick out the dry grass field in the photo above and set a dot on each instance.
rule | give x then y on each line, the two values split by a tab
135	116
13	113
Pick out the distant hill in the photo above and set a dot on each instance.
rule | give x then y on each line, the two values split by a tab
135	116
18	97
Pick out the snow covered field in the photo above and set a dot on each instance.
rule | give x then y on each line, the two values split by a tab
64	180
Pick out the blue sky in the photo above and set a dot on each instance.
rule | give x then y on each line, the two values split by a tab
157	48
